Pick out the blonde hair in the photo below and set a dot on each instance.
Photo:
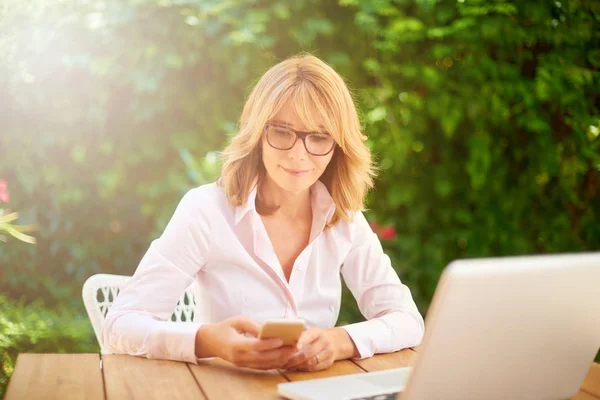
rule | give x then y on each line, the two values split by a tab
310	84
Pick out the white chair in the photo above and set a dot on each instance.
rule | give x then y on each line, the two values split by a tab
100	290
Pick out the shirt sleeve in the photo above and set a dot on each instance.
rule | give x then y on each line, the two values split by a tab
138	323
393	320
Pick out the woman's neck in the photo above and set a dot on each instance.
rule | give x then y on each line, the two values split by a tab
291	206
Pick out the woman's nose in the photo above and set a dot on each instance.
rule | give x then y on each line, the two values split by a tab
298	151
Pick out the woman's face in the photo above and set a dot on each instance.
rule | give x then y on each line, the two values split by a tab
293	170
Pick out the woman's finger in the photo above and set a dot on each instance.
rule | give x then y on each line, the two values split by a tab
245	325
308	336
246	344
267	359
307	353
326	358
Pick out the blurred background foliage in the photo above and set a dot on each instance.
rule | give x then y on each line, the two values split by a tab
483	115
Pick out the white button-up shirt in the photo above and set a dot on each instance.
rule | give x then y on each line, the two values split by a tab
226	250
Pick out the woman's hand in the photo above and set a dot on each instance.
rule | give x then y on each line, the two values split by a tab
228	341
316	351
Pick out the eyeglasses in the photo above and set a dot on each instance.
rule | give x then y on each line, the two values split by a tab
284	138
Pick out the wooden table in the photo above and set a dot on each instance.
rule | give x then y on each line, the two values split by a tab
78	376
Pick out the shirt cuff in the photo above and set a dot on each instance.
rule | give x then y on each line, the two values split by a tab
363	335
179	341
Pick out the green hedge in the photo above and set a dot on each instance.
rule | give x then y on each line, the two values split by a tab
485	119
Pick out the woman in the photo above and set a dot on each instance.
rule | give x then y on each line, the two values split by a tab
270	239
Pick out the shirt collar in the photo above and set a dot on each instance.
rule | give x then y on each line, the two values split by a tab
323	206
242	210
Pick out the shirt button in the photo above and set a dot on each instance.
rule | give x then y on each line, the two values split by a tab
300	268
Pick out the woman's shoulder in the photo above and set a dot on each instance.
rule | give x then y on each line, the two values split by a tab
205	198
352	227
356	219
207	190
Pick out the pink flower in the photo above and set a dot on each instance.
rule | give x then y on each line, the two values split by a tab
4	196
383	232
388	233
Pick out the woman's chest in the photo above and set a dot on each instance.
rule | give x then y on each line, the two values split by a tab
242	275
288	241
241	284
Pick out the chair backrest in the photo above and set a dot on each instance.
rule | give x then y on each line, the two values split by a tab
100	290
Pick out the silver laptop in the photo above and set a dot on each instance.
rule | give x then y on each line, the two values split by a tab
498	328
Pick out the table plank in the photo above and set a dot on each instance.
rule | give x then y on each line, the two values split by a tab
398	359
591	383
220	379
135	377
78	376
344	367
56	376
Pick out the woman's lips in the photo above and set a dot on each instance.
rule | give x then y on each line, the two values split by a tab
294	172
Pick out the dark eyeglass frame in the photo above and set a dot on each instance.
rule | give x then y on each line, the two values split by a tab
299	134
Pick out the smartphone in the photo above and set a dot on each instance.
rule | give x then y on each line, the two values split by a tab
288	330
